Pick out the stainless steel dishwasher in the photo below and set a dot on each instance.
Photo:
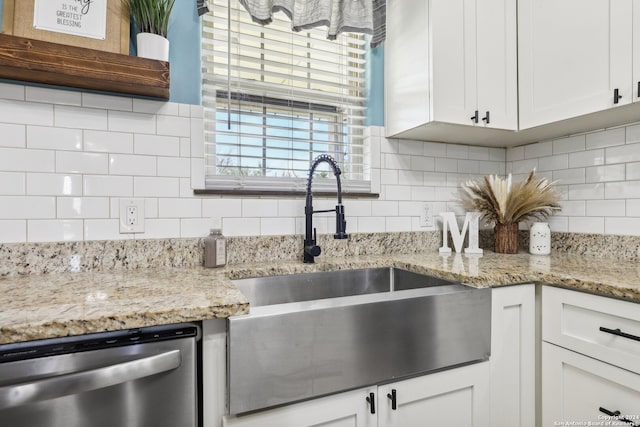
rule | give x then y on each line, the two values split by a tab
137	378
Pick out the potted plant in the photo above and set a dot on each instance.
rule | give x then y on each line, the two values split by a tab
152	19
504	204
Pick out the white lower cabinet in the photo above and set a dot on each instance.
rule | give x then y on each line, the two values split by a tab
456	397
578	389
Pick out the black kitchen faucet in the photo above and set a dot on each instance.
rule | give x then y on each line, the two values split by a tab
311	249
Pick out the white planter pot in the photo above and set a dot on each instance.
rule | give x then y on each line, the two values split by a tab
153	46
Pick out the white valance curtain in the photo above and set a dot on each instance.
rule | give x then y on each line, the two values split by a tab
355	16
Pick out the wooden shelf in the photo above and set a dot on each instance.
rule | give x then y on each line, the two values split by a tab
43	62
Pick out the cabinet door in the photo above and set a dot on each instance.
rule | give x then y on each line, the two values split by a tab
576	387
497	63
457	397
349	409
513	356
452	41
636	54
572	55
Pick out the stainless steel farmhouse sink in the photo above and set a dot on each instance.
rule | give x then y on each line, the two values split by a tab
313	334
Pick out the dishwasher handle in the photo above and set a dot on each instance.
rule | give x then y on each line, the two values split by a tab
80	382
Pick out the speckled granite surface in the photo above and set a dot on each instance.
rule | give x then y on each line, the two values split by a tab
44	306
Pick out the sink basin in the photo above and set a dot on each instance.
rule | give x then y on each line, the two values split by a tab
309	335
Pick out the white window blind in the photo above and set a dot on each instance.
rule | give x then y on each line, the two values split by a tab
275	99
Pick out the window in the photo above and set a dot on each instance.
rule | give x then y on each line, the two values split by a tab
275	99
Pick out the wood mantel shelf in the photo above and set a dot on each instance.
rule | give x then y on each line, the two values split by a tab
43	62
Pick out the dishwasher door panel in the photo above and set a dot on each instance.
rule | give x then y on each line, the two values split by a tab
139	385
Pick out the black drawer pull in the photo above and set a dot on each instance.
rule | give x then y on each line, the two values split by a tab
617	416
474	118
372	402
392	396
616	96
486	119
638	89
619	333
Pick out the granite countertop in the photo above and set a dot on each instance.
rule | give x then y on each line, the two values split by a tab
54	305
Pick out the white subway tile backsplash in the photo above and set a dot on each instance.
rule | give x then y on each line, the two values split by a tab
49	184
622	190
12	184
586	225
559	223
623	153
107	102
194	227
88	163
54	230
52	138
82	207
632	171
446	165
12	91
108	142
80	117
155	145
264	207
632	133
388	145
197	173
573	207
52	96
396	192
372	224
422	193
156	107
277	226
606	138
23	207
397	161
623	226
160	228
12	135
384	208
498	154
174	126
398	224
419	163
569	176
539	149
121	121
13	231
435	179
515	153
108	186
28	113
388	176
457	151
632	207
21	160
605	173
174	166
414	148
185	147
586	158
479	153
586	191
435	149
243	226
550	163
144	186
468	166
104	229
523	166
606	208
127	164
358	207
223	208
290	208
410	177
569	145
184	110
179	208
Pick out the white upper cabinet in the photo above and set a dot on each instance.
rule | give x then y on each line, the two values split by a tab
574	55
447	59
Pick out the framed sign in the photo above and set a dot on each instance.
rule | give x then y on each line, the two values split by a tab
85	18
93	24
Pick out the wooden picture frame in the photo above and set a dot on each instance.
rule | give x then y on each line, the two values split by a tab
17	20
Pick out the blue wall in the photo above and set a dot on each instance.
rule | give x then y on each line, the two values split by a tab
375	87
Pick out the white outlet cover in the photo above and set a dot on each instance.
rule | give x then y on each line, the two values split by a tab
125	227
426	215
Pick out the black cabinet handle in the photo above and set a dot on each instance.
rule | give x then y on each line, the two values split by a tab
638	89
616	96
392	396
616	414
619	333
474	118
486	118
372	402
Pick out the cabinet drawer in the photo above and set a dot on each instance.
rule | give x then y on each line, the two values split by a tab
581	390
589	323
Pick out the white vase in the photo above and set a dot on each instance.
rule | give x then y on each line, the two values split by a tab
152	46
540	238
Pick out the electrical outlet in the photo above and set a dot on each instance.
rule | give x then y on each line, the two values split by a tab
131	216
426	215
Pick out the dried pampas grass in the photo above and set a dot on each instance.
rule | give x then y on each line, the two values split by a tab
499	201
